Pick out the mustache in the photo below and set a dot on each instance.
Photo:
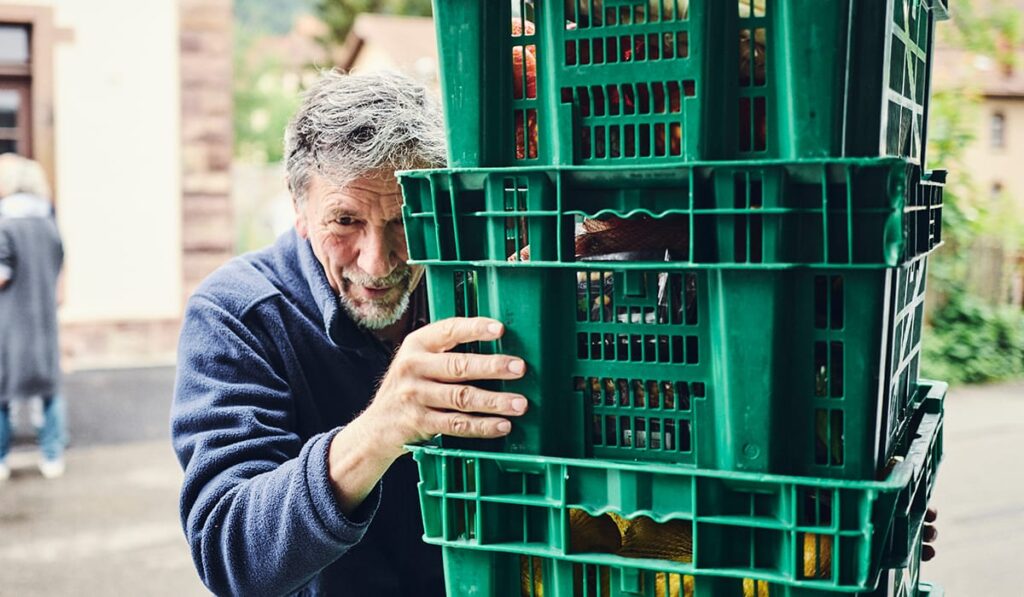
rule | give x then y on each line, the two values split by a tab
400	274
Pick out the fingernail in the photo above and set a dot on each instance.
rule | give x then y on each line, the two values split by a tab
519	405
516	366
494	328
504	426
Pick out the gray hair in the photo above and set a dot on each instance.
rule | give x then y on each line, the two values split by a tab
350	126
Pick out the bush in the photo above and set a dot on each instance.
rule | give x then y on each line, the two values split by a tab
971	341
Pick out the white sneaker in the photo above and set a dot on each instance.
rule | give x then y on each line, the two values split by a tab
51	469
5	472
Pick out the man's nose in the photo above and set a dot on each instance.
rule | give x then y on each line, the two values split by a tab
377	257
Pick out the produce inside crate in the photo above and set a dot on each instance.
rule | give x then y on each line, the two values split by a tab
742	214
567	516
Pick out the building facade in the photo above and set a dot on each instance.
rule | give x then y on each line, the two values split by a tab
127	105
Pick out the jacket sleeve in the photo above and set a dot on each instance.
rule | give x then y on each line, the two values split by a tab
257	505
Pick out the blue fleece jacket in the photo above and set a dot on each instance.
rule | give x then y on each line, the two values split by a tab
269	367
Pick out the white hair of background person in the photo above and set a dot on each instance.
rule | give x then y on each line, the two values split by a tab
352	126
23	188
22	175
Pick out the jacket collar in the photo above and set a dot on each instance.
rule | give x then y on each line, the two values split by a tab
339	326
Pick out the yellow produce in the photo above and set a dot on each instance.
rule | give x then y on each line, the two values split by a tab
531	585
755	588
592	533
817	556
670	540
745	8
673	585
620	522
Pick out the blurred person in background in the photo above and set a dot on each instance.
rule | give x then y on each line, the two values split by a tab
31	255
305	368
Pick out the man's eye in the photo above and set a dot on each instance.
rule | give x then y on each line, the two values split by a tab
346	221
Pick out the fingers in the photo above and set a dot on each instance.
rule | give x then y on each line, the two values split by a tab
462	425
929	534
446	334
470	399
458	366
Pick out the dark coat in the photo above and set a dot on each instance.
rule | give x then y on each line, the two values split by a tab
269	368
31	255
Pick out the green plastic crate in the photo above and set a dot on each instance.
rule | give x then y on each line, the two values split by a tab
618	82
740	215
744	526
498	574
794	371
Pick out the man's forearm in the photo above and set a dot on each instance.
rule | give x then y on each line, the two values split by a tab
356	461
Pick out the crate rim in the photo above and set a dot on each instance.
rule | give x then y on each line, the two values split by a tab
682	166
668	265
902	474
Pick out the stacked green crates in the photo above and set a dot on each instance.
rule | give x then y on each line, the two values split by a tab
749	376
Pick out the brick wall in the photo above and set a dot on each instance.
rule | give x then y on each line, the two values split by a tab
102	344
206	137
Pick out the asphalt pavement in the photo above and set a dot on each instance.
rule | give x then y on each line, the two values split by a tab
110	526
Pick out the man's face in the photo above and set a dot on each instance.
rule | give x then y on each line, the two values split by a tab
357	235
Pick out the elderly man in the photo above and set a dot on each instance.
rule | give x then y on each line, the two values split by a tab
306	367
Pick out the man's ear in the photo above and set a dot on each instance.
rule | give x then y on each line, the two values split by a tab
301	225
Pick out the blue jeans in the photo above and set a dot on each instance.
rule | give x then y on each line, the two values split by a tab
53	435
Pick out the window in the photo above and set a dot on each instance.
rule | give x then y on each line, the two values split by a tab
13	44
15	87
998	126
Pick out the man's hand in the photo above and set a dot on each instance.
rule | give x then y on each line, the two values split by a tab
930	534
426	392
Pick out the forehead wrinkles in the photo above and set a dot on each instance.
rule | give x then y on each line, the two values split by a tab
369	200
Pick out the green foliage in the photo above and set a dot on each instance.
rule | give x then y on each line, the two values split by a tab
970	339
263	103
339	15
987	27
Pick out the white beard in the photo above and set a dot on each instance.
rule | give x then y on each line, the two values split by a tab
374	316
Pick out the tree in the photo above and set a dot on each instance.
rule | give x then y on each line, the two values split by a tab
970	339
339	15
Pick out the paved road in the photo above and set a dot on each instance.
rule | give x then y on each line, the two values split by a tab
980	494
110	526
